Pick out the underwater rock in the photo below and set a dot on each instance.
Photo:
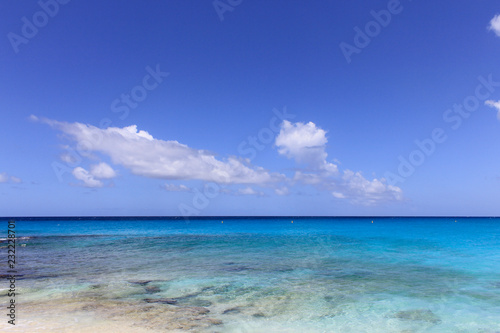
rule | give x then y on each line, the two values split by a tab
192	300
198	310
152	289
200	302
161	300
258	315
236	309
214	321
140	282
236	269
188	296
418	315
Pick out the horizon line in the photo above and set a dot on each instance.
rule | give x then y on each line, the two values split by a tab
173	217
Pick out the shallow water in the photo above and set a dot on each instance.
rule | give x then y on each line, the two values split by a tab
260	275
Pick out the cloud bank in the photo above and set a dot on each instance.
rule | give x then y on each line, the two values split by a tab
306	144
142	154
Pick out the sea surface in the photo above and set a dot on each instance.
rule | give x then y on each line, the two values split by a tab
255	274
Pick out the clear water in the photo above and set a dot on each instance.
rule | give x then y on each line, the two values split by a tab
261	274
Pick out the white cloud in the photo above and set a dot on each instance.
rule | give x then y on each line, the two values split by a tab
282	191
241	191
102	171
69	159
338	195
5	178
309	178
15	179
305	143
361	190
249	191
92	178
495	24
175	188
352	186
494	104
87	179
144	155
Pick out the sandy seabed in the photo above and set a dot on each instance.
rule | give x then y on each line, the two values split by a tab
108	316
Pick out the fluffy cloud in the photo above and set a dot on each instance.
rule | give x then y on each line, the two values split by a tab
361	190
97	172
494	104
3	177
87	179
241	191
69	159
354	187
282	191
495	24
249	191
102	171
144	155
306	143
338	195
309	178
175	188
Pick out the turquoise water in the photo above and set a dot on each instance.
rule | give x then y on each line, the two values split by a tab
268	274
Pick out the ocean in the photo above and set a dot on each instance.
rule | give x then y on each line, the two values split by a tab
254	274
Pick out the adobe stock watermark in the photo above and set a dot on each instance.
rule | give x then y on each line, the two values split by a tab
454	117
248	148
222	6
123	104
373	28
31	26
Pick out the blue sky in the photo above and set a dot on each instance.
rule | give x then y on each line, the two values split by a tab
237	107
